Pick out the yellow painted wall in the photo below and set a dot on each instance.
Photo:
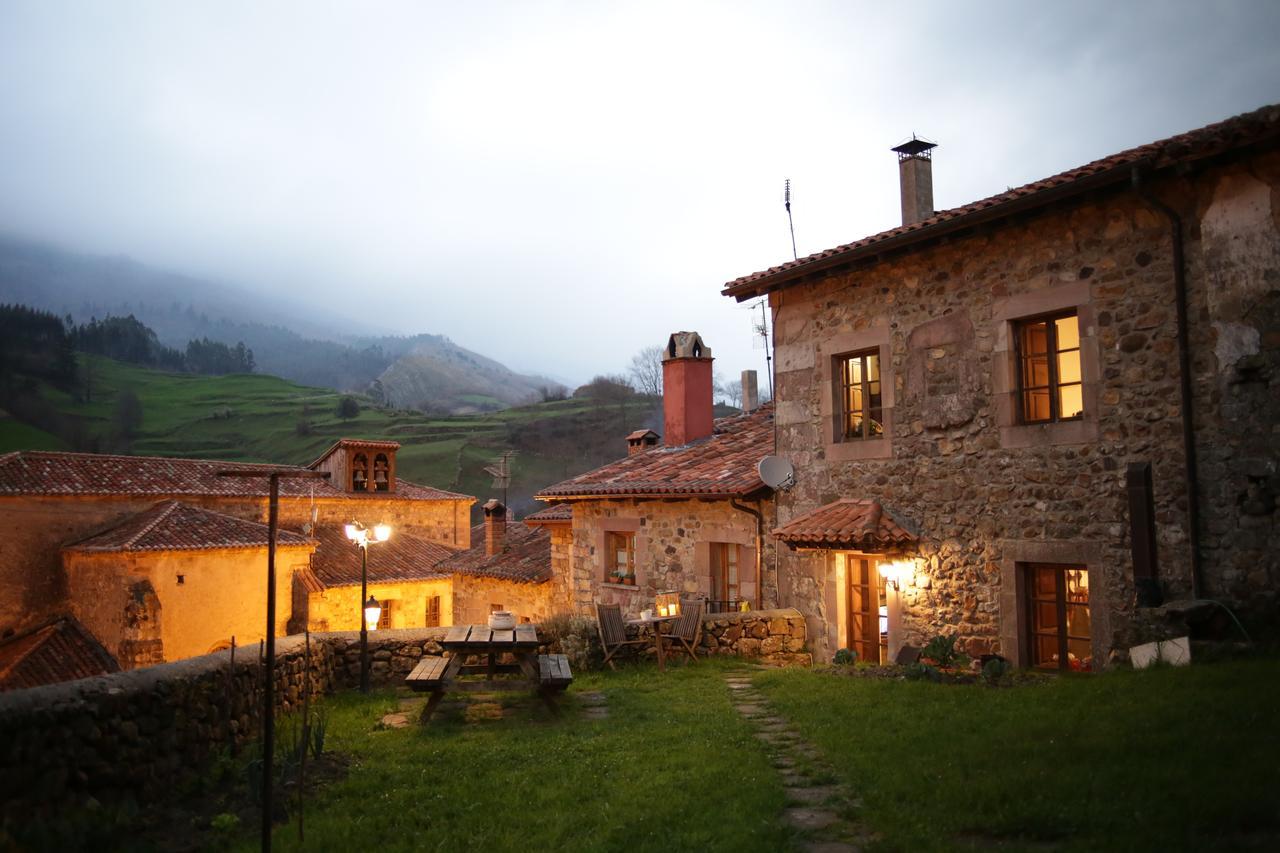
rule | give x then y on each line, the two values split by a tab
338	608
222	594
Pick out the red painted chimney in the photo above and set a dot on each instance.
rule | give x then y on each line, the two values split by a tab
495	527
686	389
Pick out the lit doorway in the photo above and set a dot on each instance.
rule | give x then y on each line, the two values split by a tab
863	607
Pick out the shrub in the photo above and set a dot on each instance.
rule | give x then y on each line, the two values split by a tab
921	672
575	637
942	651
845	657
303	427
995	669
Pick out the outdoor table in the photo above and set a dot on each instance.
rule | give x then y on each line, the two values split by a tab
546	674
656	622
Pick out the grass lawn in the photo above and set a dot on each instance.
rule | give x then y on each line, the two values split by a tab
1164	759
671	768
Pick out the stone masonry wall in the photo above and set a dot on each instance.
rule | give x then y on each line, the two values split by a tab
986	495
672	550
138	734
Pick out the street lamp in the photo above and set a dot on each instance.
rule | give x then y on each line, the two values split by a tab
363	537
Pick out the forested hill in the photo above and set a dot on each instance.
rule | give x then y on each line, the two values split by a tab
293	342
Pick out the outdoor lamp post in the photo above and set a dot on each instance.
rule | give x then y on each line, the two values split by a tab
363	537
372	612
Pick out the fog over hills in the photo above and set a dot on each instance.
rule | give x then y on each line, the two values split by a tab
299	342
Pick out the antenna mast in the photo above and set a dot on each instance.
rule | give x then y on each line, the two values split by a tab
501	473
786	198
762	329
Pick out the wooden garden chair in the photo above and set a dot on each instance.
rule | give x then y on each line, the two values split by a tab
613	633
687	630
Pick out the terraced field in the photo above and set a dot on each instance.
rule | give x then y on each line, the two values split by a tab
257	418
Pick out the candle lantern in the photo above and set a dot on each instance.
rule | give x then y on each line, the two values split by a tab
668	602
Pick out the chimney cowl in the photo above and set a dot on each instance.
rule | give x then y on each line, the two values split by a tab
915	178
687	402
641	440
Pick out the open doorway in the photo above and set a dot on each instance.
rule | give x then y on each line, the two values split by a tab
863	607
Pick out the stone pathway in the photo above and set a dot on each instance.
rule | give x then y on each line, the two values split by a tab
817	806
594	705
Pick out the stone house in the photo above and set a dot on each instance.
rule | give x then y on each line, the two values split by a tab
1029	420
688	515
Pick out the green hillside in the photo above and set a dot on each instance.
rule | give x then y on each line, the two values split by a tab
257	418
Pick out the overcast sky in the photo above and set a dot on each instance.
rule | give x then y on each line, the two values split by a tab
558	184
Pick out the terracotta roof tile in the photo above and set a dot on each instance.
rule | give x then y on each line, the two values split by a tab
365	444
554	514
403	557
856	523
525	557
41	472
175	526
61	650
721	466
1261	125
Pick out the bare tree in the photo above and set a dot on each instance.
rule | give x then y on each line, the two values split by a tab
729	391
646	371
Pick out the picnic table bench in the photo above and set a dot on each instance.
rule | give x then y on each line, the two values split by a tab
548	675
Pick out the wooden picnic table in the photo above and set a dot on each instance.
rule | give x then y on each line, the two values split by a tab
656	622
548	675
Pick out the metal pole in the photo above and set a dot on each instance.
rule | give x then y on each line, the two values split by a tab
364	628
268	695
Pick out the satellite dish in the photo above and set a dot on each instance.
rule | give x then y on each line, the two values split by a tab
776	472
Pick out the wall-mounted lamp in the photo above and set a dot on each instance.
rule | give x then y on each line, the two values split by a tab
897	571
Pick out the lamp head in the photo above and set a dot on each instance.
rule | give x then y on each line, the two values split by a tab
372	612
382	532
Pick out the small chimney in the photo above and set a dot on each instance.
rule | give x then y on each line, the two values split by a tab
915	173
750	392
495	527
641	440
686	389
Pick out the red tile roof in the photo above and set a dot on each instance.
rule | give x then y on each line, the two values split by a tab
1262	126
561	513
525	557
856	523
61	650
175	526
403	557
42	472
721	466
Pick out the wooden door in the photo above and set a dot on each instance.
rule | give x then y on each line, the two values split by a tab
862	607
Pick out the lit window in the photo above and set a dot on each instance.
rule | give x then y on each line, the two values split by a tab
620	558
389	606
433	612
860	400
1049	381
1059	604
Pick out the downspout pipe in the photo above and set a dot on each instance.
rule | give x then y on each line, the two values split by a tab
759	517
1184	374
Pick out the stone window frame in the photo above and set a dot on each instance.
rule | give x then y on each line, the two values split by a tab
726	534
830	352
601	542
1006	314
1015	616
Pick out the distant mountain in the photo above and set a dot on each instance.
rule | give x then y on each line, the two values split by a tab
437	374
290	341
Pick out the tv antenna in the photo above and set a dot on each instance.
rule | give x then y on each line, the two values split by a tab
762	340
786	199
776	473
501	472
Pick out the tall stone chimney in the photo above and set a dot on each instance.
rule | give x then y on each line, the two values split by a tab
915	173
750	392
495	527
686	389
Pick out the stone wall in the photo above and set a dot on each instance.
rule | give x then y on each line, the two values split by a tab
339	608
474	598
138	734
987	495
672	550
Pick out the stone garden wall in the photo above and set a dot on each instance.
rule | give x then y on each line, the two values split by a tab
141	733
